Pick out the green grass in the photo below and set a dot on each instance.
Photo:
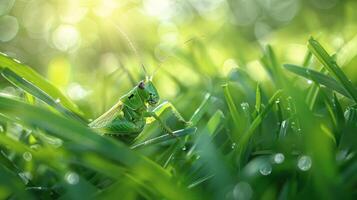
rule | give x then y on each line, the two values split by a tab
239	133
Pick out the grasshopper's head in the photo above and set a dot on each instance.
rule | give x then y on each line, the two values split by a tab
148	92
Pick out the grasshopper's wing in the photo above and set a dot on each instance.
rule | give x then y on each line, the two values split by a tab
107	117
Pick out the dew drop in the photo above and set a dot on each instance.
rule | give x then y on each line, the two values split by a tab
71	178
184	148
309	82
35	146
27	156
244	105
233	145
265	169
242	191
58	100
304	163
279	158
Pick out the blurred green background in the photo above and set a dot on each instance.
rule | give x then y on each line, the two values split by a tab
92	51
74	43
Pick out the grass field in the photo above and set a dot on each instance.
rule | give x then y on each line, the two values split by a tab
269	89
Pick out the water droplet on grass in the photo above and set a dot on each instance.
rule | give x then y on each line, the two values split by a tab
71	178
279	158
233	145
265	169
304	163
244	105
58	100
184	148
27	156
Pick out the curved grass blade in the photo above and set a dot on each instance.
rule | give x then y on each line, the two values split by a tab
37	92
166	137
319	78
30	75
331	65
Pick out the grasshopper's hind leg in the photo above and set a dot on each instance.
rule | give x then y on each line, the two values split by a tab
160	109
167	105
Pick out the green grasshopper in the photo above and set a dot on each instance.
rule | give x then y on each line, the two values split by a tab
127	118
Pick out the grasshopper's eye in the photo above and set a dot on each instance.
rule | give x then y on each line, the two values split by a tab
141	85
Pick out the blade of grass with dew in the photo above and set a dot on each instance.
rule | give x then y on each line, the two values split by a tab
84	137
314	88
29	74
37	92
243	142
319	78
331	65
238	118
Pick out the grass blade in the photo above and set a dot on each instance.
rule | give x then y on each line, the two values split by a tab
238	119
258	99
318	77
243	142
37	92
331	65
30	75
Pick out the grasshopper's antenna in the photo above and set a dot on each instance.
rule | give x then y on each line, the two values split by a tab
132	47
157	69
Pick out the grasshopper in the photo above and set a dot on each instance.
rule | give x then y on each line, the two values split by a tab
127	118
